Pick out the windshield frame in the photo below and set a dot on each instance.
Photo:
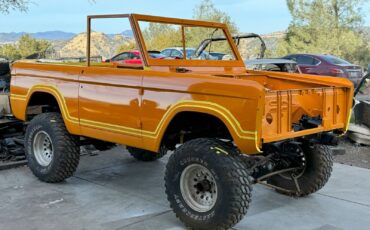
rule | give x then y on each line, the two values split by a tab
238	62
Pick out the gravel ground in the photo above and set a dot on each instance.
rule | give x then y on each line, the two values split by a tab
355	154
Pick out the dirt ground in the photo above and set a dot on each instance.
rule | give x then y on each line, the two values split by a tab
355	154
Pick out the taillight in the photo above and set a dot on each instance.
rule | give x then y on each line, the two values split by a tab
336	71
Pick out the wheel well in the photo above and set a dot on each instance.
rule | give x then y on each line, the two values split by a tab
41	102
186	126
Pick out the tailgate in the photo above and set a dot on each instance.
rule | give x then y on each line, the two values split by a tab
285	110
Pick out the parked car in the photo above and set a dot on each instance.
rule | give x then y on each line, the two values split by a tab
178	53
218	56
322	64
133	57
273	64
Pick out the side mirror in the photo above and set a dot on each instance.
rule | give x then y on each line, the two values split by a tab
107	60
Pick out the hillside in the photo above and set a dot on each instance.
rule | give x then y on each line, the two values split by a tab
101	44
106	45
250	48
74	45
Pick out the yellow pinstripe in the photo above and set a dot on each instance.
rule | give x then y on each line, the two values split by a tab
226	114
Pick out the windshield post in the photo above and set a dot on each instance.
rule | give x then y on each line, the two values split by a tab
183	41
88	41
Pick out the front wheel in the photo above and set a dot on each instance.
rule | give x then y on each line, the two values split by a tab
207	185
52	153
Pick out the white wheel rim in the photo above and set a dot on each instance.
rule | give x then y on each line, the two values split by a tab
198	188
43	148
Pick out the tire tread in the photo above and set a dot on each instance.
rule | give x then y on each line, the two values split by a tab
236	174
68	144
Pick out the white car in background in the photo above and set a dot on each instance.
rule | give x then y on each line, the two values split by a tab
178	53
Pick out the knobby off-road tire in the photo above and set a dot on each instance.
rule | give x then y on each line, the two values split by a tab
52	153
319	165
145	155
207	185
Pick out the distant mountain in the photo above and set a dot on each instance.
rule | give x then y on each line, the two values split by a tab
50	36
54	35
126	34
9	37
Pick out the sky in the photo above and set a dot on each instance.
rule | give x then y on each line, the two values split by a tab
70	15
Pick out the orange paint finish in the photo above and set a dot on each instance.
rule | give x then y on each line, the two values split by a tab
135	106
108	100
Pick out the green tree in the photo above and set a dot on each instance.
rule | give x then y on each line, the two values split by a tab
28	46
207	11
129	45
328	27
10	52
159	36
7	5
24	47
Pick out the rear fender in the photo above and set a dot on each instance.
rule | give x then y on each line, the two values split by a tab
246	140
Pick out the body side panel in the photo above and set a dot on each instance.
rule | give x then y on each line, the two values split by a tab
107	95
109	103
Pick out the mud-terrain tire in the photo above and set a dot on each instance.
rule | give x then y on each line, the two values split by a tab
52	153
319	165
145	155
207	185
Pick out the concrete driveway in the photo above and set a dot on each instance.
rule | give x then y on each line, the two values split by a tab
114	191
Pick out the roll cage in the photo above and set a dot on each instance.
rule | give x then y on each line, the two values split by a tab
205	43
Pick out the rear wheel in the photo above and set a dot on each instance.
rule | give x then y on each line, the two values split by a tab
145	155
312	177
207	185
52	153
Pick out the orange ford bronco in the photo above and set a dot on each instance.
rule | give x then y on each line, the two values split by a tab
228	127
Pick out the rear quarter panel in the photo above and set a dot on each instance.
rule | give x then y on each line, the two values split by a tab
238	103
60	81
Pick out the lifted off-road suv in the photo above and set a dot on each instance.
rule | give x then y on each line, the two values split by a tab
229	128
